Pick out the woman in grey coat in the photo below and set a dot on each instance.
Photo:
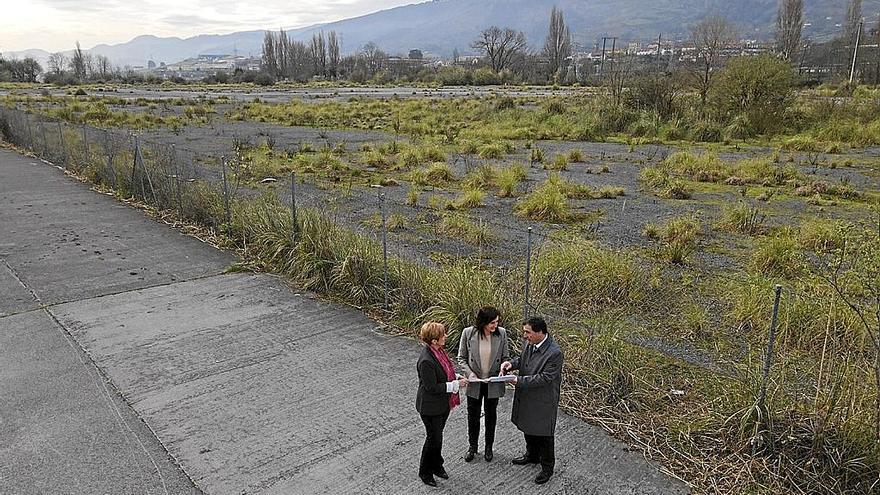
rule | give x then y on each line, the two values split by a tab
481	350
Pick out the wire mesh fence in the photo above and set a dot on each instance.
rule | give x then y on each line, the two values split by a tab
614	309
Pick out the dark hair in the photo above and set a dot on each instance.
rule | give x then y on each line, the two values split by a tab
537	323
485	315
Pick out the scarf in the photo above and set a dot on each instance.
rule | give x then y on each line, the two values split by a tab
446	363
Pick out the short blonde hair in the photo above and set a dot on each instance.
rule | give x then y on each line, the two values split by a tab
431	331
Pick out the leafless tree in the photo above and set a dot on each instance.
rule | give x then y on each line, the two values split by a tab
374	58
269	59
853	272
851	23
57	63
103	67
319	54
78	63
711	36
789	21
332	54
557	46
500	46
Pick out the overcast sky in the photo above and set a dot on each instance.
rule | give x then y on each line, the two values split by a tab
55	25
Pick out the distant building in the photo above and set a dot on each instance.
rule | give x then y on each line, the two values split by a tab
207	65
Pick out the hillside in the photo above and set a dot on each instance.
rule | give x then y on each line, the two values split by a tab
440	26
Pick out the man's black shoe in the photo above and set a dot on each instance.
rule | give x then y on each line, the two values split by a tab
428	480
441	473
523	460
470	454
488	455
543	477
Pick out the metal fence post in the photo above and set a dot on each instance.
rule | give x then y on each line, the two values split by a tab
45	145
63	151
294	226
176	171
384	245
528	274
225	190
134	163
30	131
86	151
768	355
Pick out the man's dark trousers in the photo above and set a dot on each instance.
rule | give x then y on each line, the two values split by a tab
542	449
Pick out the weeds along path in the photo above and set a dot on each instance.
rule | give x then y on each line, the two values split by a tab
247	384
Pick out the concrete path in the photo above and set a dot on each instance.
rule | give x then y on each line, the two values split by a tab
251	386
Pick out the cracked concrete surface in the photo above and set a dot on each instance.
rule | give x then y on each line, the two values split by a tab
251	386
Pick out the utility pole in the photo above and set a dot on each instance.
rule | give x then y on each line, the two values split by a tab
602	61
613	46
852	70
659	41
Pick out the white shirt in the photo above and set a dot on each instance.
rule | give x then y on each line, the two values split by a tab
538	345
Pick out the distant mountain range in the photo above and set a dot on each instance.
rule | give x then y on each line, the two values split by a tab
439	27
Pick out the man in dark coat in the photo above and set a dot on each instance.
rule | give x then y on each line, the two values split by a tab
537	396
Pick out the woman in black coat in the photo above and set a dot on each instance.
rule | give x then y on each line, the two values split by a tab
436	397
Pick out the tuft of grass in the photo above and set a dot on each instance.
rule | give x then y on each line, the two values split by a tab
741	219
482	177
536	156
576	156
470	198
463	228
577	273
412	196
393	222
560	162
664	184
491	151
509	178
547	203
677	238
821	236
778	255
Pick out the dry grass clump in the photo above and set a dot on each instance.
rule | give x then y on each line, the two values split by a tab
560	162
482	177
548	203
470	198
659	179
677	238
576	272
741	219
820	235
778	255
509	178
461	227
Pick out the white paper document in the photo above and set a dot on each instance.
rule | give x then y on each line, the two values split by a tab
496	379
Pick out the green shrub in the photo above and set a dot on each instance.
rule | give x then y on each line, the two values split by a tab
456	292
757	88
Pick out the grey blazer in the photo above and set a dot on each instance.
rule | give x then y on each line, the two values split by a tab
536	399
469	358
